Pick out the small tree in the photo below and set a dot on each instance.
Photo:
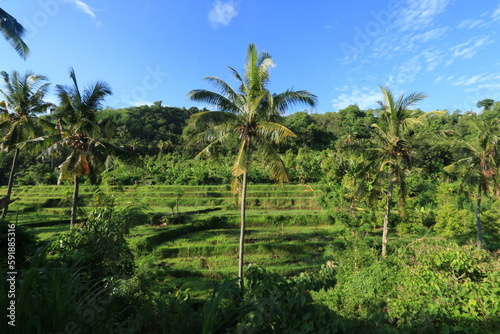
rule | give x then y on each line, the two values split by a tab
486	104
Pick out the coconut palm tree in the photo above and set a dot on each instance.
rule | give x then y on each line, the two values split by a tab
249	116
389	149
13	32
80	136
19	122
479	166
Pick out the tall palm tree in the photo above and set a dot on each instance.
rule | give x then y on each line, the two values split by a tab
390	148
479	166
19	122
80	135
249	116
13	32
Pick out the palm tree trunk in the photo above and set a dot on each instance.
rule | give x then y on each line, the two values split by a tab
242	228
11	181
386	217
478	219
74	205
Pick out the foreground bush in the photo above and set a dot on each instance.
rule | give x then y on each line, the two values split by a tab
98	246
430	286
60	300
268	303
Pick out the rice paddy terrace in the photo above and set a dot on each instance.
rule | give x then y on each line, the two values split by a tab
286	228
38	204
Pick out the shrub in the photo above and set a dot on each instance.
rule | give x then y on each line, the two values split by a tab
447	288
98	246
429	286
60	300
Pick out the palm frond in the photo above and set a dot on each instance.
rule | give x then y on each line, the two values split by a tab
76	91
211	147
13	31
272	160
94	95
273	131
205	119
215	99
235	185
236	74
241	163
283	101
257	68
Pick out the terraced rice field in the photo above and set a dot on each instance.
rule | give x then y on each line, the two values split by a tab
286	229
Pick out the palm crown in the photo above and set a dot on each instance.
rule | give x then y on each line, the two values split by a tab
250	114
23	100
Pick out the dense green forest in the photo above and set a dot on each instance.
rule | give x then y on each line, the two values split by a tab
408	221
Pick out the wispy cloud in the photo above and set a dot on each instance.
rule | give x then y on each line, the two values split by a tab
467	49
472	23
415	24
407	71
480	86
222	13
496	14
438	79
83	7
418	14
478	79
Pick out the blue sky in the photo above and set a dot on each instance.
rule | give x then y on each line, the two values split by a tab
340	50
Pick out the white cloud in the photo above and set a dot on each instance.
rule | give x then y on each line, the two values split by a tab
496	14
430	35
467	49
419	14
408	70
222	13
463	81
138	103
364	97
472	23
438	79
433	58
415	24
483	79
83	7
478	86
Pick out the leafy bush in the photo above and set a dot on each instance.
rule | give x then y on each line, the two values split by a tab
447	288
268	303
60	300
429	286
364	281
284	305
98	246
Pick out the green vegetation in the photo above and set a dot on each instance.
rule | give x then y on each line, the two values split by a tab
388	222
